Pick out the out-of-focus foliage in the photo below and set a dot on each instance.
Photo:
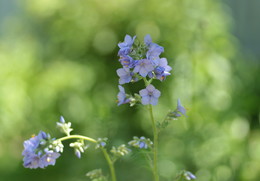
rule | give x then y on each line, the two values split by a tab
59	58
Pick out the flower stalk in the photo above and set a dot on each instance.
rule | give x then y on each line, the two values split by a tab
155	147
104	151
110	164
77	137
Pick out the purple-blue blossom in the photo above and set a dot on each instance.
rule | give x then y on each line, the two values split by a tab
125	47
36	153
101	143
162	70
142	143
62	120
141	60
127	61
79	147
125	76
153	53
49	158
143	67
63	126
189	176
77	153
150	95
154	50
180	108
121	96
147	39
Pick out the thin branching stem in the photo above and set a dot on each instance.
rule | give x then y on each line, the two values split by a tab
104	151
110	164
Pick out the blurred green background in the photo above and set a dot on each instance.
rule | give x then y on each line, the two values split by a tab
59	57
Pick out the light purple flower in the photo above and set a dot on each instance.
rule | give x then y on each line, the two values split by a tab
164	63
77	153
143	67
153	53
62	120
180	108
121	96
33	161
63	126
142	143
149	95
189	176
162	70
36	153
147	39
154	50
125	47
49	158
125	75
127	61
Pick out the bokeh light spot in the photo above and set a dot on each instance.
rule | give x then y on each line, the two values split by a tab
149	27
167	168
105	41
239	128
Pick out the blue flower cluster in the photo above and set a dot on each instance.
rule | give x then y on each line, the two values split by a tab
141	143
39	153
141	61
185	175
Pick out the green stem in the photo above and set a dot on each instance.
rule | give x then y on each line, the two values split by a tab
106	155
110	164
155	137
155	148
77	137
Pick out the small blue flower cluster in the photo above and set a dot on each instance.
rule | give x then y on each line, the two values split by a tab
142	142
141	61
189	176
185	175
101	143
40	152
180	110
63	126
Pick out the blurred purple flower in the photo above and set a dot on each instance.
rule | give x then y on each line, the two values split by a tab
162	70
62	120
147	39
143	67
127	61
36	153
125	75
142	143
77	153
49	158
154	50
189	176
125	47
149	95
121	96
180	108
